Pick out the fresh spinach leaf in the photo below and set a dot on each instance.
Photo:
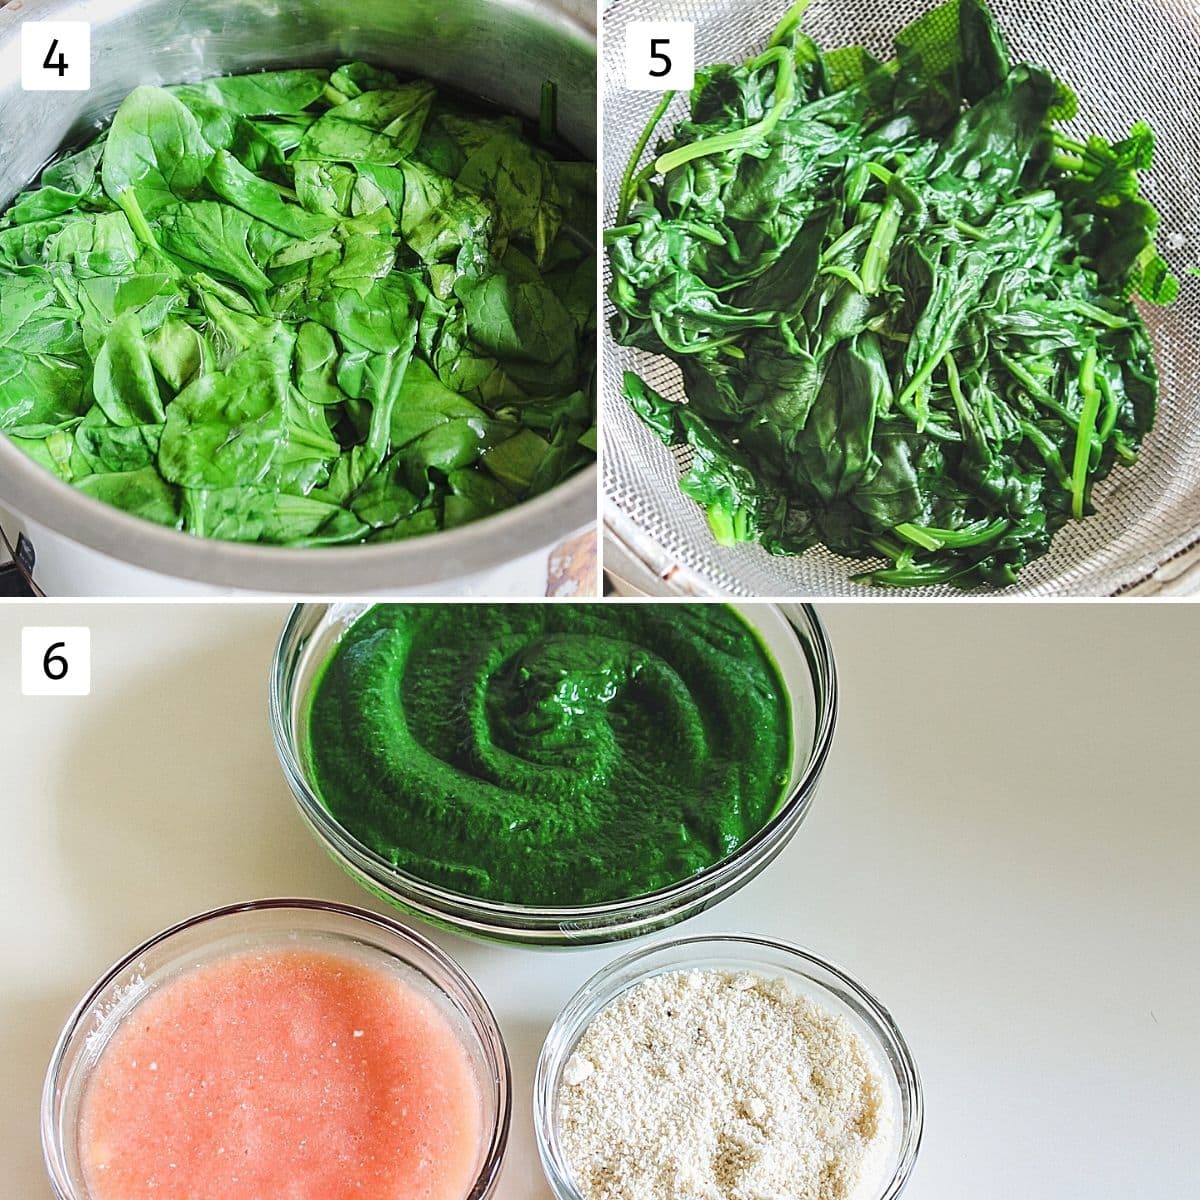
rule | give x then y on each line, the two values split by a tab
376	127
269	308
124	382
143	492
155	156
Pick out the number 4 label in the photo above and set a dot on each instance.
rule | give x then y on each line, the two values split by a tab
56	56
660	56
56	661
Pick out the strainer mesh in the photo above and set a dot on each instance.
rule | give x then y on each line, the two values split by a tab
1127	60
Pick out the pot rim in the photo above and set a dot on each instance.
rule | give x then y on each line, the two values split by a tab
30	491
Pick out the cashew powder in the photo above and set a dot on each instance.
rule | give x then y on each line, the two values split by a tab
715	1085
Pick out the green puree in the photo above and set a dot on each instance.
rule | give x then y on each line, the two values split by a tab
550	754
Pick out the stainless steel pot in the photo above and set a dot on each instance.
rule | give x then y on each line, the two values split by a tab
501	50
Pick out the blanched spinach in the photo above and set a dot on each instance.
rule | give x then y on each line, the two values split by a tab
304	308
901	300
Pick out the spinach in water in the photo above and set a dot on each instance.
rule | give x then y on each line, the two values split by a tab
305	308
901	300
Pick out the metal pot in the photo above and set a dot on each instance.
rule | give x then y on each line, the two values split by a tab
501	50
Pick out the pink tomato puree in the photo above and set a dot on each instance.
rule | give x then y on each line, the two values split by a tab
287	1074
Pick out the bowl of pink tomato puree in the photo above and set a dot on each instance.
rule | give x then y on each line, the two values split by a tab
290	1049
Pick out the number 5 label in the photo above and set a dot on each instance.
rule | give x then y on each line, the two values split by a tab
56	56
56	661
660	56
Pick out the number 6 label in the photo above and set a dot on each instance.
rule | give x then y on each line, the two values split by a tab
56	56
660	56
56	661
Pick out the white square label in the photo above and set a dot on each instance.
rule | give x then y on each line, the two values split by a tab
56	56
660	56
56	661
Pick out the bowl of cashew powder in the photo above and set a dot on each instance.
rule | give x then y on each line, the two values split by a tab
726	1068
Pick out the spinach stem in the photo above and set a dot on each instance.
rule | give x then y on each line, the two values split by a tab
975	534
916	576
879	251
921	408
1095	313
791	19
968	230
737	139
720	521
1111	408
1066	143
924	538
921	378
843	241
1049	452
887	546
1125	452
1036	391
68	297
705	235
848	275
1083	439
1052	230
548	113
965	416
137	219
989	408
628	180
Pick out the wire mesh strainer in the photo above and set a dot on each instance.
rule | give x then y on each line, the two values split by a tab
1127	60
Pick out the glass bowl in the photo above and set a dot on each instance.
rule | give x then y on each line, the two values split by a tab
263	924
821	981
795	638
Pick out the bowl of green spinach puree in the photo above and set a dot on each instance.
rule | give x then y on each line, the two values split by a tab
553	773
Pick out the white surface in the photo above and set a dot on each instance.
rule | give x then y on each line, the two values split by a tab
65	568
1005	850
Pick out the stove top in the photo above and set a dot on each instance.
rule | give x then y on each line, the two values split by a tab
12	583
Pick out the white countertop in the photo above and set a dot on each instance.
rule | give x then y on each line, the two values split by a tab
1006	850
